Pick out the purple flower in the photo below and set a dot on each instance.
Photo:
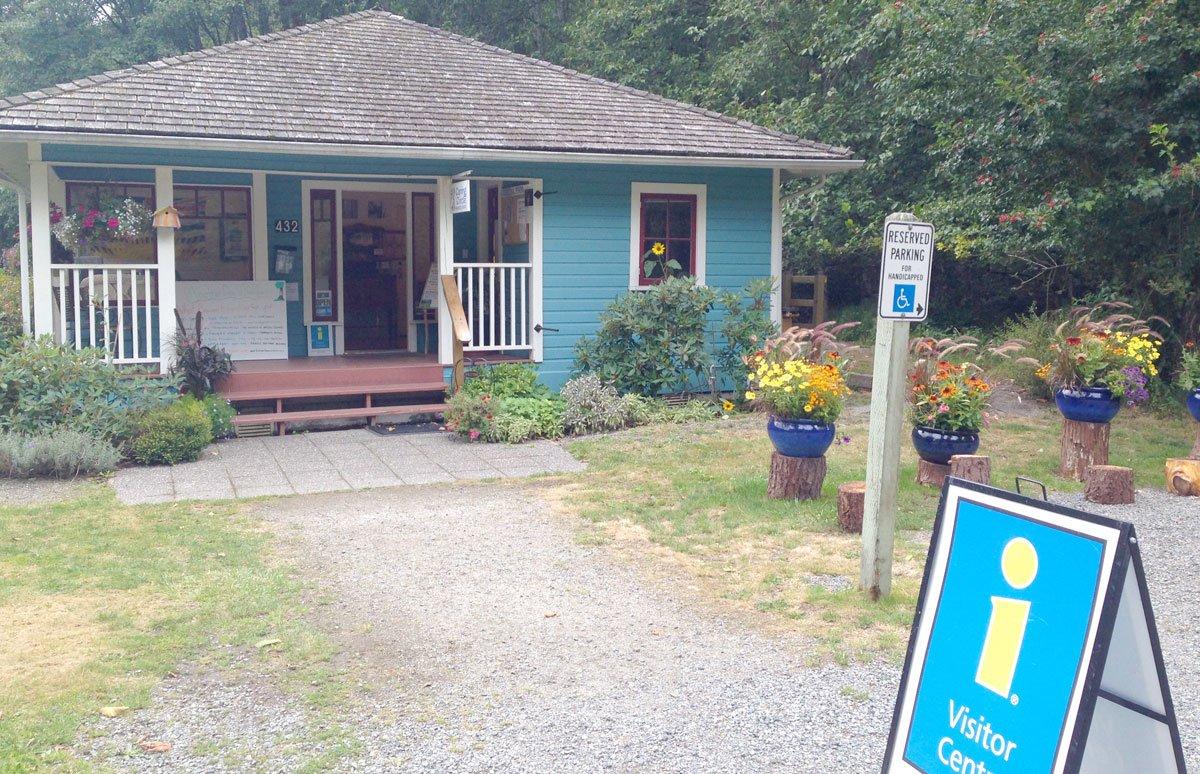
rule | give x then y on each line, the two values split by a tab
1135	386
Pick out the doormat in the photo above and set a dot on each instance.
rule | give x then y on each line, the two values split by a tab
404	428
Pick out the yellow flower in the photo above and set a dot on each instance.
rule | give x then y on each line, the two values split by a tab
658	248
749	395
727	406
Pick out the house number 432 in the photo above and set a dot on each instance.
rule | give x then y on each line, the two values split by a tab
287	226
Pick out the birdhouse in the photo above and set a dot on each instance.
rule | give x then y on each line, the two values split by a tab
166	217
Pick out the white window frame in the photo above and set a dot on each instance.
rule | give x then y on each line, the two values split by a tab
700	191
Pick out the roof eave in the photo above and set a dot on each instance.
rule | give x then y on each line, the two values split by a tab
799	165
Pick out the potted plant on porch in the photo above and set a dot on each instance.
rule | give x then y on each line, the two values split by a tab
948	401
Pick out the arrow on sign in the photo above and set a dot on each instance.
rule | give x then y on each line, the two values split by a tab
920	309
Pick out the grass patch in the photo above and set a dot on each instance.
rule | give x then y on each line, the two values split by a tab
101	600
695	497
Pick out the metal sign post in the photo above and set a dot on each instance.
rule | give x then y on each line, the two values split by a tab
903	297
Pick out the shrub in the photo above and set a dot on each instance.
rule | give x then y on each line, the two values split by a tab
507	380
746	325
10	309
510	420
60	453
591	406
651	341
690	411
172	434
220	414
524	419
200	366
44	386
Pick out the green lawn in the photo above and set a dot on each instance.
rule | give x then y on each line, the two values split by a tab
100	601
694	495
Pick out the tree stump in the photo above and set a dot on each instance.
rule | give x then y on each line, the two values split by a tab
931	473
1109	485
850	503
795	478
1084	444
1183	477
972	467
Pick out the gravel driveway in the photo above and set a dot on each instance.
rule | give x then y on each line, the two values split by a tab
495	642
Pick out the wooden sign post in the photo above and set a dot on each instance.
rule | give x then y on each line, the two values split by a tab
903	299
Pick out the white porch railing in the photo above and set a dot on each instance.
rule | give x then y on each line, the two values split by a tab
109	305
495	297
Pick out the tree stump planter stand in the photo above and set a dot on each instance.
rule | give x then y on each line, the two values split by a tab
795	478
851	502
931	473
972	467
1183	477
1108	485
1084	444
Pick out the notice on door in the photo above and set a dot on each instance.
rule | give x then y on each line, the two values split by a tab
248	319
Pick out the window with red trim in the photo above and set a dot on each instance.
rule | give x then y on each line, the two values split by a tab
668	233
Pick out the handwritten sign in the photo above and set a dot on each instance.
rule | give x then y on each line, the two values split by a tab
248	319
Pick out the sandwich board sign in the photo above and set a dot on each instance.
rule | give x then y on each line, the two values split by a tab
904	270
1033	648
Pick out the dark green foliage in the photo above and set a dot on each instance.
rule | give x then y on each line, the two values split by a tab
506	380
44	386
10	309
220	414
171	434
746	325
59	453
651	341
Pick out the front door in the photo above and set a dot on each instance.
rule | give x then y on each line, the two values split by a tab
375	248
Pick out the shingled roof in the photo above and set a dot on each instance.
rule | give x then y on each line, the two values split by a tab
374	78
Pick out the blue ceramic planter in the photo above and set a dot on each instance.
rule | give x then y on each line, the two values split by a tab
800	437
939	446
1087	404
1194	404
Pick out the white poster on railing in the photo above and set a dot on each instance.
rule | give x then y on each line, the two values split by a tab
248	319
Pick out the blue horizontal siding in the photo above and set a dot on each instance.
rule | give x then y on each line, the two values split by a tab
586	225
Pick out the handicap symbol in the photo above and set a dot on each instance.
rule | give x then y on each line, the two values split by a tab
902	298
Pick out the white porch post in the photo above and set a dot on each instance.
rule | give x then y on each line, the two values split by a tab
164	195
445	257
535	275
23	257
776	250
39	214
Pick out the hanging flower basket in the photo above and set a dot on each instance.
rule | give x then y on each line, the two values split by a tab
1095	404
800	437
85	231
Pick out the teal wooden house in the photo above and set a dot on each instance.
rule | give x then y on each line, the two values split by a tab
353	203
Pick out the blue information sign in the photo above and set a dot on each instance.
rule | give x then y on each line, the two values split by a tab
1012	632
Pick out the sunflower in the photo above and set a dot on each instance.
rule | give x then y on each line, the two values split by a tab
658	248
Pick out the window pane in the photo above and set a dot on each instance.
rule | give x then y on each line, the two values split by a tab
654	218
681	250
185	202
235	240
197	250
324	257
655	261
143	194
237	201
208	202
680	218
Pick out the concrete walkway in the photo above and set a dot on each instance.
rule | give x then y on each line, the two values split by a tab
333	461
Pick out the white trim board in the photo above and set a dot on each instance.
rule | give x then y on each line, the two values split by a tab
700	191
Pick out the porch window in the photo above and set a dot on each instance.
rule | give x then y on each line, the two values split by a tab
323	218
668	222
213	240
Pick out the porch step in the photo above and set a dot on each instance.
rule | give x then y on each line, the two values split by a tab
353	389
336	413
351	375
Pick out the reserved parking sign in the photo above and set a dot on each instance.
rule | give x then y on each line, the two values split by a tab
1033	648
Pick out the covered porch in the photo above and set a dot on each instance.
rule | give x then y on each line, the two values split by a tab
321	280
